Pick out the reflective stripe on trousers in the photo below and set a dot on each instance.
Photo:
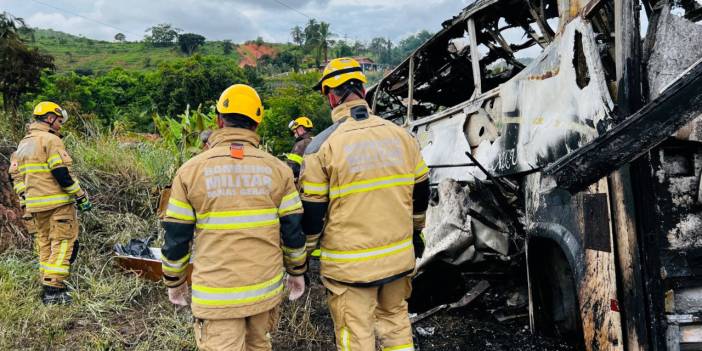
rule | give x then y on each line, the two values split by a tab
366	254
238	295
345	339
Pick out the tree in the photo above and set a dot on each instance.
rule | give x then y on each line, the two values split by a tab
312	42
409	44
189	42
227	47
120	37
324	39
342	49
194	81
20	66
162	35
298	36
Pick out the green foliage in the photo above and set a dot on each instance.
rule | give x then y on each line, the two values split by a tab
20	66
292	98
227	47
189	42
102	56
131	97
198	80
182	135
116	95
162	35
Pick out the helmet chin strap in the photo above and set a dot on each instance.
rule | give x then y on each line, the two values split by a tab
335	101
51	124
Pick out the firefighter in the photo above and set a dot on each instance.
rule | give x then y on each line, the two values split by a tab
235	212
365	185
41	174
301	128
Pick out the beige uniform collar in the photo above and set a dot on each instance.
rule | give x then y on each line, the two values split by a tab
344	110
41	127
229	135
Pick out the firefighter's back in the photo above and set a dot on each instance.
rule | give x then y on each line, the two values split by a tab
234	189
371	168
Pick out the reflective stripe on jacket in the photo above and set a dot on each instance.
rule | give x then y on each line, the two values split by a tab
37	154
236	205
365	170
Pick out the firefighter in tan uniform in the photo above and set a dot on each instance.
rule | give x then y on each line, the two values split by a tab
365	192
40	170
235	213
301	128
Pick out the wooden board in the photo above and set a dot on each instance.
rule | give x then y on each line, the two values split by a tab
149	269
597	294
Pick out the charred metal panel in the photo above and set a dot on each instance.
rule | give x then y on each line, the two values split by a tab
678	45
545	113
679	104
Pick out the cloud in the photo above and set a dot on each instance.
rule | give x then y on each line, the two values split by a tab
238	20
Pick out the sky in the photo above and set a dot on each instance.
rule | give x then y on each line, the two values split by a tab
237	20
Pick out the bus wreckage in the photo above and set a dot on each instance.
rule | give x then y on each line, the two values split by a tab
560	131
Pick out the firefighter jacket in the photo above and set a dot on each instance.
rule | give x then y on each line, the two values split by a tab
229	209
358	177
294	158
40	171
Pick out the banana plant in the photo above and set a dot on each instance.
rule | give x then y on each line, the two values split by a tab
182	134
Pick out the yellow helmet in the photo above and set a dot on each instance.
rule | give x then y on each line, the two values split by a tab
338	72
241	99
45	107
300	121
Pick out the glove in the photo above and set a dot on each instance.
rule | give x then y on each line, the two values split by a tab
84	203
179	295
297	286
418	242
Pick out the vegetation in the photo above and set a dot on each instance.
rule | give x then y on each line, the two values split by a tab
137	109
189	42
93	57
20	66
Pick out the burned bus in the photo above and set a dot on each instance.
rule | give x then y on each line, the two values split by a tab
567	131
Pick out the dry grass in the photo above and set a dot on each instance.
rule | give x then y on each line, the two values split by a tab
114	310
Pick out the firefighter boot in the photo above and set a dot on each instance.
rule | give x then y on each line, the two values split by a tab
56	296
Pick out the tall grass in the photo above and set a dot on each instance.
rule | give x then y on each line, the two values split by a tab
112	309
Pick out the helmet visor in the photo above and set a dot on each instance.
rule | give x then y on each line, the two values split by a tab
64	116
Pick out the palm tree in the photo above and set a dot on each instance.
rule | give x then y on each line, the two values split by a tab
11	27
324	39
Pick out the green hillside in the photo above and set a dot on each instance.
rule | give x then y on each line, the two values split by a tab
73	53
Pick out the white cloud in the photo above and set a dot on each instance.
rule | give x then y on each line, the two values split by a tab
238	20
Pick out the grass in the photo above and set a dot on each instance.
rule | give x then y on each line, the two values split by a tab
112	309
78	53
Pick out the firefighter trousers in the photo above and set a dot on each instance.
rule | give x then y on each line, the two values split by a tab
57	231
239	334
362	313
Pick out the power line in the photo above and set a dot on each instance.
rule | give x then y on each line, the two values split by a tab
84	17
292	8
